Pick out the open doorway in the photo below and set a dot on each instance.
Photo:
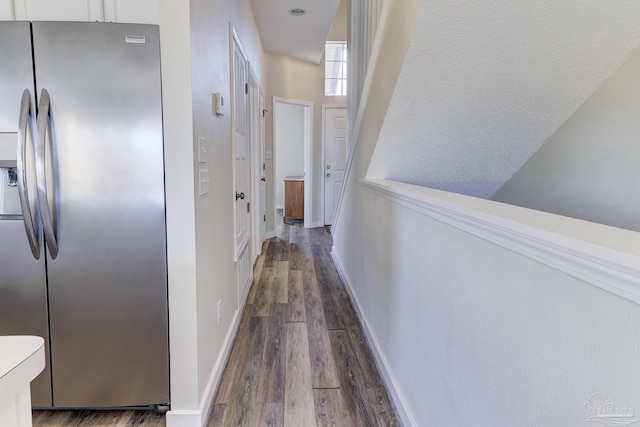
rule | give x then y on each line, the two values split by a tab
292	141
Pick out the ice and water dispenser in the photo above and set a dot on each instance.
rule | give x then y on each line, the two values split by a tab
9	196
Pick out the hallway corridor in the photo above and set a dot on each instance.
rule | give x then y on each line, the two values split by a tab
300	357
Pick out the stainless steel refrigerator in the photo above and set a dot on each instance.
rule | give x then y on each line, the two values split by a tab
82	209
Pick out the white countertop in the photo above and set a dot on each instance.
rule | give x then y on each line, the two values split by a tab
21	360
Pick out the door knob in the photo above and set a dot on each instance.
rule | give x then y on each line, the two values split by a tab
263	179
328	175
239	196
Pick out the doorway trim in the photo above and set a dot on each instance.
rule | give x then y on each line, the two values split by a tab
257	161
309	180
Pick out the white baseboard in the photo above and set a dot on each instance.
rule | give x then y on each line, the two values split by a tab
184	419
317	224
179	418
381	361
270	235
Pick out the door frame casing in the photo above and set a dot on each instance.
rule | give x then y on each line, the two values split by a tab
308	155
257	160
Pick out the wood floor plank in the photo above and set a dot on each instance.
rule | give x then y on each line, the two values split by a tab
43	418
266	414
272	288
270	253
143	418
352	384
271	382
262	291
237	360
50	418
298	396
300	257
332	411
367	364
280	282
299	237
294	232
278	251
257	272
323	370
332	309
244	392
295	305
320	236
382	407
216	416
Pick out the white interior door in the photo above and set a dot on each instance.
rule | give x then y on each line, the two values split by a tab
240	149
335	158
263	179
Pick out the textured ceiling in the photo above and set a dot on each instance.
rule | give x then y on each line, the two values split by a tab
300	37
486	82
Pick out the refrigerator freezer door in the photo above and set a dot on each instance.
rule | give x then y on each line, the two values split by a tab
108	283
23	294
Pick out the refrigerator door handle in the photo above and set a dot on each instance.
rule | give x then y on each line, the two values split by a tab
44	127
25	126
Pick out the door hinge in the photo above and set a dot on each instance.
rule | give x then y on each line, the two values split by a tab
248	207
264	166
264	218
246	88
264	112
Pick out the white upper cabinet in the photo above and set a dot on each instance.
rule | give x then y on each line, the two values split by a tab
6	10
59	10
130	11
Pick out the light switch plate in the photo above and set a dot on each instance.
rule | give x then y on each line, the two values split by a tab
202	150
204	182
218	104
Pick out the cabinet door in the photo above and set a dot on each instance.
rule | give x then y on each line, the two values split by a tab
6	10
132	11
59	10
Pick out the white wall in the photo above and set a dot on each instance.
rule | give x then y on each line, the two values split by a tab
304	81
589	168
181	227
216	270
471	333
289	145
195	61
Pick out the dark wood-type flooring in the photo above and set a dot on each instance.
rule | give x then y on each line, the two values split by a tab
299	359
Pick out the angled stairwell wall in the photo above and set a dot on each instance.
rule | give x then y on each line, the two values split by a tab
590	168
485	83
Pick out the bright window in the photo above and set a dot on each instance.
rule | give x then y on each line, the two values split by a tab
335	69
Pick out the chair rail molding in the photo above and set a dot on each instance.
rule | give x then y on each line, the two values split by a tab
603	256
